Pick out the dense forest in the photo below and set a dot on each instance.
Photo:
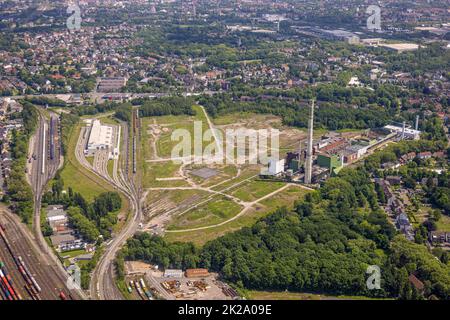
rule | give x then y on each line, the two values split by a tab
124	112
167	106
338	107
19	191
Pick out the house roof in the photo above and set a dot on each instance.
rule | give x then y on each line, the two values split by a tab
416	282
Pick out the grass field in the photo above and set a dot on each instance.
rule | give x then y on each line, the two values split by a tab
110	167
246	173
224	172
161	201
167	125
254	189
285	198
160	170
77	177
217	210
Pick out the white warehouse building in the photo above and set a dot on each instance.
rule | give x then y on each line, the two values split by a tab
100	138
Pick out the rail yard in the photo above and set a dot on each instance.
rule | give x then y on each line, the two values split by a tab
24	274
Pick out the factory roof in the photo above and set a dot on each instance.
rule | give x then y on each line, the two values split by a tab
100	135
400	129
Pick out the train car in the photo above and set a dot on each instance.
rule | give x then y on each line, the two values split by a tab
10	291
62	296
142	283
149	295
28	273
31	292
5	291
52	138
2	227
14	292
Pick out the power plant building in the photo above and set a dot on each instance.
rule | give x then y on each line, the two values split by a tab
276	167
408	133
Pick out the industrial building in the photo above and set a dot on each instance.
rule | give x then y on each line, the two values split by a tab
408	133
401	47
276	167
100	138
113	84
173	273
336	35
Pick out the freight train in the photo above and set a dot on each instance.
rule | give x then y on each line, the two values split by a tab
53	132
135	133
6	285
32	286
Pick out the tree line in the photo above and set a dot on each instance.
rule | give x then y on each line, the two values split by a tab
18	189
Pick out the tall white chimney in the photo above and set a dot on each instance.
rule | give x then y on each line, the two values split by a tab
309	152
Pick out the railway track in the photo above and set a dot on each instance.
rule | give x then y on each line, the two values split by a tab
35	279
43	170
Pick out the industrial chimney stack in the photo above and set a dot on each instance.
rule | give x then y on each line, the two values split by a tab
309	153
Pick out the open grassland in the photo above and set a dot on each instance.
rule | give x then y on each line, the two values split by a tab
289	138
162	201
247	172
161	170
224	173
161	128
218	210
286	198
252	190
79	178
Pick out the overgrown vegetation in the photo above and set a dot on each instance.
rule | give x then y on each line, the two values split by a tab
19	191
340	107
90	219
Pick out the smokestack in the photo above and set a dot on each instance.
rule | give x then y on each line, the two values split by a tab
417	122
309	152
